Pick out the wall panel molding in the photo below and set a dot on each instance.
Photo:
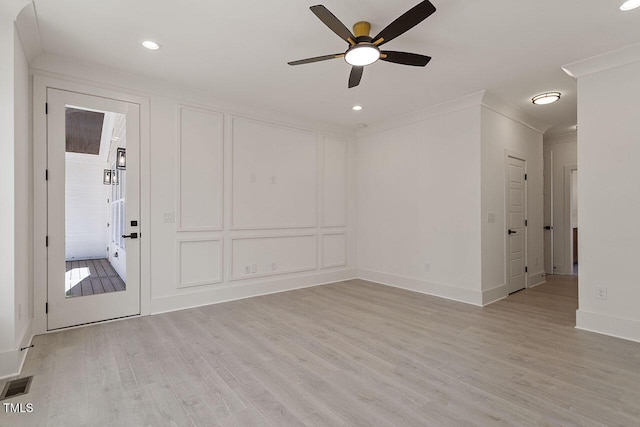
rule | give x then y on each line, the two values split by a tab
340	247
189	261
264	257
333	182
198	176
266	174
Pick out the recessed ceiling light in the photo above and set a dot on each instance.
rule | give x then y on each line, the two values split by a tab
151	45
356	107
630	4
546	98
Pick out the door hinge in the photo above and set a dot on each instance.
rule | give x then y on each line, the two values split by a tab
526	222
46	241
46	108
526	269
46	307
525	176
46	174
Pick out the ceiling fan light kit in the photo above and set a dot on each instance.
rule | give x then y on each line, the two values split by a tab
630	5
363	49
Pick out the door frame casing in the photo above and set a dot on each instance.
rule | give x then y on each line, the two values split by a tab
522	157
40	85
568	234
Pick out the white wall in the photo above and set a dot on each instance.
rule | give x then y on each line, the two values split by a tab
564	151
608	199
232	187
419	202
426	184
502	135
16	282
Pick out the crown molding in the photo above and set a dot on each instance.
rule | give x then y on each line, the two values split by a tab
514	113
477	99
422	114
11	8
29	32
606	61
561	138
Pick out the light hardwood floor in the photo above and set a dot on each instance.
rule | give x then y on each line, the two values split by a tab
352	353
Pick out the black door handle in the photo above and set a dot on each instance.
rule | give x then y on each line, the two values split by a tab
130	236
548	227
512	232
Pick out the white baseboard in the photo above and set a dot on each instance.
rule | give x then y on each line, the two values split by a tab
536	279
494	294
608	325
239	290
455	293
11	361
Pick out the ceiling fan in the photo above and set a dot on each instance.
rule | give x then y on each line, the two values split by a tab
364	50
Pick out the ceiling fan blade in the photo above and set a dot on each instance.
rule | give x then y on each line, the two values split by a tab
404	23
405	58
355	76
334	24
316	59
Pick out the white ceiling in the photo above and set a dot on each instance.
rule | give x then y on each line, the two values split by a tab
238	50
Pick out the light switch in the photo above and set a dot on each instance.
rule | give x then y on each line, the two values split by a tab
252	178
491	217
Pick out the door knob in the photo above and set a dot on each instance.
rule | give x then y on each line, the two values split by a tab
130	236
512	232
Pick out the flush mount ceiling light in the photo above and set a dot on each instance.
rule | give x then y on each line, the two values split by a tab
546	98
356	107
151	45
629	5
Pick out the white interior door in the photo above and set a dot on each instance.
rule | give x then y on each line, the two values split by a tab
93	205
516	215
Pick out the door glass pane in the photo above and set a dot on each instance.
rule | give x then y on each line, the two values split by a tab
94	202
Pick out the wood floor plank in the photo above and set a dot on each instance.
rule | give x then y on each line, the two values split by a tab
345	354
102	277
99	268
86	287
117	284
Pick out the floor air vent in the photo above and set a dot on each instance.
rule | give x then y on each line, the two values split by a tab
16	388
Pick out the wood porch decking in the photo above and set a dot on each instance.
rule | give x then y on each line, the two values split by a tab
102	278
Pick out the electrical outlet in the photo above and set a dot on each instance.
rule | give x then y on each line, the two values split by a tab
601	293
254	268
252	178
169	217
274	179
274	266
247	269
427	267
